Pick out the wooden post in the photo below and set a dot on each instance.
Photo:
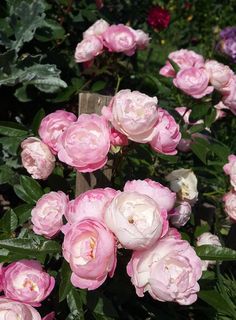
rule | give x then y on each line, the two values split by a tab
93	103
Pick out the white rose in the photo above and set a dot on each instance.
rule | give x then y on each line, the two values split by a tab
184	183
136	220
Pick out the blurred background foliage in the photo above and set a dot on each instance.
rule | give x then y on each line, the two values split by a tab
38	75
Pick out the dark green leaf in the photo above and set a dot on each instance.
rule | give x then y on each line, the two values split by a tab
21	193
12	129
200	151
11	144
75	304
7	175
218	302
31	187
37	120
30	246
9	221
208	252
65	284
98	86
23	212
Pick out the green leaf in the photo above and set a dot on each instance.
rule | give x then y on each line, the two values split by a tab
31	187
7	175
198	111
9	221
174	65
208	252
11	144
21	94
98	86
75	304
20	192
200	150
12	129
37	120
65	284
50	30
100	305
210	118
222	151
23	213
27	17
197	128
30	246
214	299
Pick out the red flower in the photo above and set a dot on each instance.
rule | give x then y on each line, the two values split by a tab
158	18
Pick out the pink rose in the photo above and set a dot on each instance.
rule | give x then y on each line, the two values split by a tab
90	204
166	134
96	29
26	281
14	310
1	268
50	316
134	114
219	74
169	271
229	95
53	125
194	82
119	38
184	59
230	204
86	143
90	249
142	39
173	233
180	215
163	196
47	215
117	138
88	48
230	169
136	220
208	238
37	158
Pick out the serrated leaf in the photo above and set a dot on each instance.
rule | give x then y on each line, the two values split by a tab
31	187
49	85
65	283
9	221
208	252
12	129
30	246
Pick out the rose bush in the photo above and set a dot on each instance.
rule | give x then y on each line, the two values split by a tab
158	154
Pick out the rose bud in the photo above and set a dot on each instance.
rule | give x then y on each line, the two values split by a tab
37	158
180	215
230	169
230	204
14	310
219	74
96	29
88	49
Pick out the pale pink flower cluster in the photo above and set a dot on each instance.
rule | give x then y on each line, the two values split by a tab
184	183
230	197
115	38
138	117
198	78
25	284
82	143
100	220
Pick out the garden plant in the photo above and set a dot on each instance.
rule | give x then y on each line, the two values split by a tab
156	239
